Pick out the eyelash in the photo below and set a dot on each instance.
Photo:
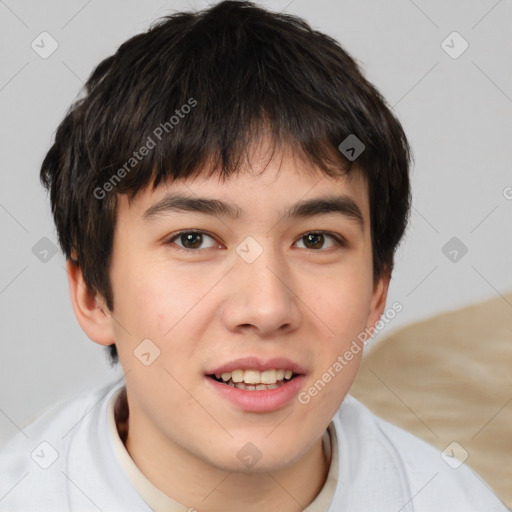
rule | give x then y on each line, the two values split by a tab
340	241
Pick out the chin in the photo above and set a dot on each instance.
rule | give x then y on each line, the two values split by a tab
249	459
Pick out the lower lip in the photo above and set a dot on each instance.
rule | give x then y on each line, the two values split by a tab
260	401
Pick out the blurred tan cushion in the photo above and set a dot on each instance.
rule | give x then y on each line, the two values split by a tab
449	378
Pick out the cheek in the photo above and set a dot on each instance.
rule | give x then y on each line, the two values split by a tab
160	301
343	301
342	305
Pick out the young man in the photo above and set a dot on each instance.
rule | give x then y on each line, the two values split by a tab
229	195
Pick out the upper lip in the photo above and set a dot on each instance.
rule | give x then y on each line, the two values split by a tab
255	363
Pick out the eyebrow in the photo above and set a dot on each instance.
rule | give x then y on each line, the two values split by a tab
342	204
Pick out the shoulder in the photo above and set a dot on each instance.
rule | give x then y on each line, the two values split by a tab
41	463
61	417
430	479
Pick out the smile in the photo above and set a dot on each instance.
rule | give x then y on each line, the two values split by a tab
254	380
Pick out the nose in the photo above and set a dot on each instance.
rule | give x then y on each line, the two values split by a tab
261	296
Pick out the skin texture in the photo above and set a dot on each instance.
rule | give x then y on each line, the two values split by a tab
205	308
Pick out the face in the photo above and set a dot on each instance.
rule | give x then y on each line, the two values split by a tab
244	308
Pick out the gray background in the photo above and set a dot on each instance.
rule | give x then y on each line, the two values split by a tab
456	113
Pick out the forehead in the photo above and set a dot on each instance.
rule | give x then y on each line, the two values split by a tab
262	186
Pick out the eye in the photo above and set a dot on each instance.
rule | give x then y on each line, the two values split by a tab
315	240
194	240
191	240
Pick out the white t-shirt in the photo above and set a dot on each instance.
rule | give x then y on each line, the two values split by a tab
72	459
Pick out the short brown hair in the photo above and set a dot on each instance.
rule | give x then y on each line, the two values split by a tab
238	68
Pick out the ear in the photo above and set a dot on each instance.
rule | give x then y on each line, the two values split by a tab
379	296
90	308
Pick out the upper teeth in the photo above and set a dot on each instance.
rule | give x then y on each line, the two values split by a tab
255	377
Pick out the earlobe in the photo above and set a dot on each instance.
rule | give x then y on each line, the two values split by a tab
90	308
380	293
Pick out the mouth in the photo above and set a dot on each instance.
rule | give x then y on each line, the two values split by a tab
255	380
251	384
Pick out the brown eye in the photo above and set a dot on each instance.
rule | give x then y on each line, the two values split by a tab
191	240
316	240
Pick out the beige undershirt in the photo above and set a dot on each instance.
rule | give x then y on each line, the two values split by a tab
160	502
